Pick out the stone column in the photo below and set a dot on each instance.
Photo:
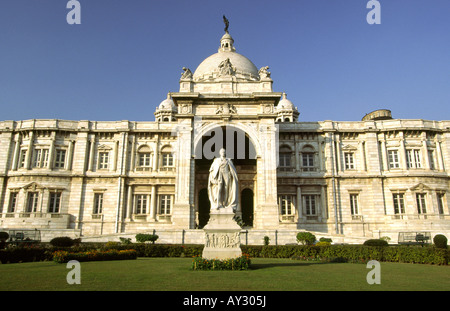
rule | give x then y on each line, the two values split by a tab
426	160
153	202
16	152
70	155
440	162
299	204
51	152
129	202
91	153
29	151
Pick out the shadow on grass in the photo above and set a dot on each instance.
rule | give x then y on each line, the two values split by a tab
257	266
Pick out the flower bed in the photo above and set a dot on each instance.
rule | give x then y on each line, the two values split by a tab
94	255
239	263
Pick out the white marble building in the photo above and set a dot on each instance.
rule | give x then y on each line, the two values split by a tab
347	180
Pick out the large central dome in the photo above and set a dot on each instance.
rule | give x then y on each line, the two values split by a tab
226	62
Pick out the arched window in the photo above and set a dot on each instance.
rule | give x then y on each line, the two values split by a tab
167	162
285	157
144	158
308	158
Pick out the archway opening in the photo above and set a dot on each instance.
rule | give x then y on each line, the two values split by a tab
241	150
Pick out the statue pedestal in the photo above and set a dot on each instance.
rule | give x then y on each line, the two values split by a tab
222	236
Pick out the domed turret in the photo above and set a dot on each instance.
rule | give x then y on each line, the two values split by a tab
286	110
166	110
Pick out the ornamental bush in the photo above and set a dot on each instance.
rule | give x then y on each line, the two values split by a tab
63	241
306	238
142	238
239	263
440	241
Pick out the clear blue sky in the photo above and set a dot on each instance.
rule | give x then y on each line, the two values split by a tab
125	56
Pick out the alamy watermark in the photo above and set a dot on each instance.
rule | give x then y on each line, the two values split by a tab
374	275
374	15
74	275
74	15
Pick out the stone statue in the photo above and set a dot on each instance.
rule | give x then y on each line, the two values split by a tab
225	68
186	74
227	23
264	72
223	183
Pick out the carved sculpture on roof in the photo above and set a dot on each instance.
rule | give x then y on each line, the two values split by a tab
186	74
225	68
264	72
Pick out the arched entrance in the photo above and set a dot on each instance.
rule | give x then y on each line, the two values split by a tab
241	150
247	207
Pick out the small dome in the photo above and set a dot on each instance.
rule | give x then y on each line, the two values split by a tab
285	104
167	104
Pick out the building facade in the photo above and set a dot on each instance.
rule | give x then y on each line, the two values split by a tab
347	180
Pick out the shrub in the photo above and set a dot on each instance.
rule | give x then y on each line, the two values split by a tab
323	239
63	241
323	243
306	238
142	237
240	263
125	241
440	241
376	242
266	240
4	236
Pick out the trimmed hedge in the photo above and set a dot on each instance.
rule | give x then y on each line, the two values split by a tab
334	253
94	255
240	263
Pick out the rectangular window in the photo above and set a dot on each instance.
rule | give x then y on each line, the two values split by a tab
12	202
440	201
308	161
310	204
140	203
40	158
399	203
60	158
98	204
103	160
349	162
144	159
393	159
354	204
23	157
286	205
165	204
32	202
167	160
55	202
285	160
413	158
431	159
421	203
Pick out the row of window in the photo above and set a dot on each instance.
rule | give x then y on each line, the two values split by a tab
40	159
413	159
54	204
32	202
311	204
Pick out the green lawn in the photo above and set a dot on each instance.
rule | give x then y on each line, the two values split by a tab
156	274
